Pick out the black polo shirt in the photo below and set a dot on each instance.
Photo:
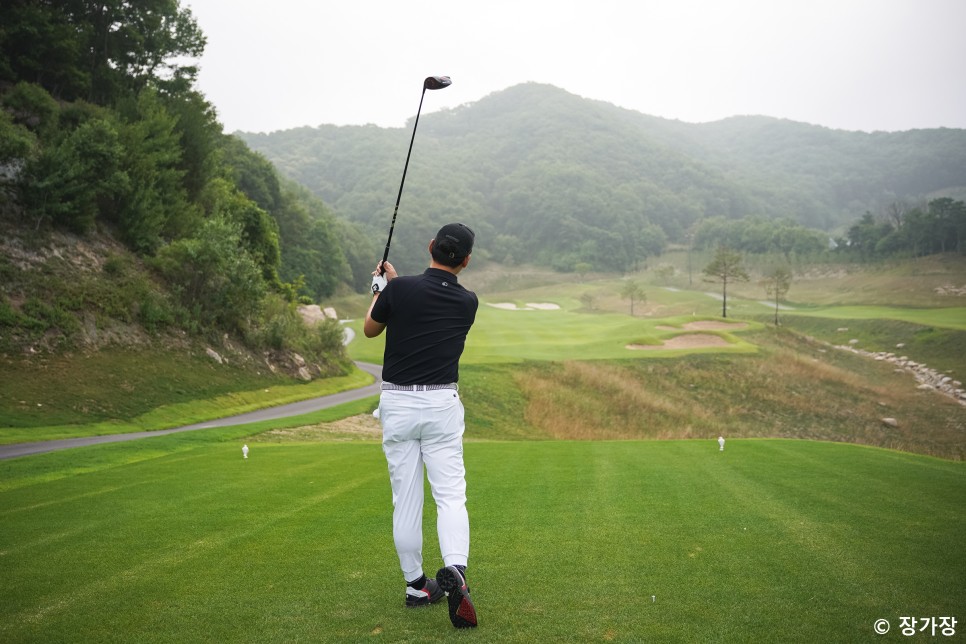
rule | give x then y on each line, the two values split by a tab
427	318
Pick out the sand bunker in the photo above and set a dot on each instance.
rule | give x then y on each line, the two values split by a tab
530	306
685	341
712	325
694	340
705	325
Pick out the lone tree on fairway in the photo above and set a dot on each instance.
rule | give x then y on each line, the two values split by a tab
726	266
776	283
664	272
633	291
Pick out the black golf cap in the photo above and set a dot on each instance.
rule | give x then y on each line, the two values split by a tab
456	240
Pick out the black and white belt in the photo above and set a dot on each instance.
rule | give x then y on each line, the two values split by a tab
388	386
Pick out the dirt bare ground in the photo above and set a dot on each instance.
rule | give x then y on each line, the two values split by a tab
685	341
359	427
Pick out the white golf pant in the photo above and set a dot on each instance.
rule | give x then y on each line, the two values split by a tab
426	428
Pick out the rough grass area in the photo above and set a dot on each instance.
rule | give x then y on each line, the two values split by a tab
178	539
794	387
941	348
59	396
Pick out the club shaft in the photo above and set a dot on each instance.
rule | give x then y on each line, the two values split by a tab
395	210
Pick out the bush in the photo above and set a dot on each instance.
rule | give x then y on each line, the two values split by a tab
50	317
69	182
155	313
16	144
33	107
214	276
8	315
279	327
115	266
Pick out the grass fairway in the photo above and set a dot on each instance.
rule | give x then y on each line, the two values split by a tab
177	539
950	318
502	336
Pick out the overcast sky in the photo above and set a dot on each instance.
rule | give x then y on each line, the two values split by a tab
846	64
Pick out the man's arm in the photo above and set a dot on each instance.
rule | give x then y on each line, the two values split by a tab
372	328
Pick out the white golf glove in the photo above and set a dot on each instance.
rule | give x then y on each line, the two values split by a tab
378	283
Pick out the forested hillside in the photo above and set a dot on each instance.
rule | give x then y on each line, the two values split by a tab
123	202
549	177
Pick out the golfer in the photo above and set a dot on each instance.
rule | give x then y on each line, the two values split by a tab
426	318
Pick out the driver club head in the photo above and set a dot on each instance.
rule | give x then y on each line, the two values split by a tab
436	82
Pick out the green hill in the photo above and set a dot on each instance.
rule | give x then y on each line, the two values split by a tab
554	178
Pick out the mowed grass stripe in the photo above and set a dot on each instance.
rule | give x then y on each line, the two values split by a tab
722	551
181	524
771	540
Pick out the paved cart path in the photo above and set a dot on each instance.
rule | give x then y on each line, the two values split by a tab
269	413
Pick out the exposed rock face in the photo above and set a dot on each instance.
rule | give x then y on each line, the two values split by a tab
313	314
285	362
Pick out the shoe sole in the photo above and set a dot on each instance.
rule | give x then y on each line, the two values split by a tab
462	613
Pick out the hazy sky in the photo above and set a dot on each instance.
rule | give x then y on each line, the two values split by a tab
847	64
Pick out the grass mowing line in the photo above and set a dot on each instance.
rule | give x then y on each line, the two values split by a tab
741	545
181	553
824	544
654	523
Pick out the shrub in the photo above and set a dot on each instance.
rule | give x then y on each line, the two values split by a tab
33	107
214	276
8	315
115	265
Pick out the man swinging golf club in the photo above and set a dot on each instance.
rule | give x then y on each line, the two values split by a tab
426	318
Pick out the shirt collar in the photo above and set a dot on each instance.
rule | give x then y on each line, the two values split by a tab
438	272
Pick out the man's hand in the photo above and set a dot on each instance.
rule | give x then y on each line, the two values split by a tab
387	270
382	275
378	283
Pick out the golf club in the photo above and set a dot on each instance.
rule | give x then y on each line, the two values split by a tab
431	82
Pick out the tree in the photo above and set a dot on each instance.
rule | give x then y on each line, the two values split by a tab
948	216
68	183
866	234
155	195
214	275
258	232
99	50
632	291
664	272
726	266
776	284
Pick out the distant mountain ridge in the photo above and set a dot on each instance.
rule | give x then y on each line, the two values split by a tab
549	176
